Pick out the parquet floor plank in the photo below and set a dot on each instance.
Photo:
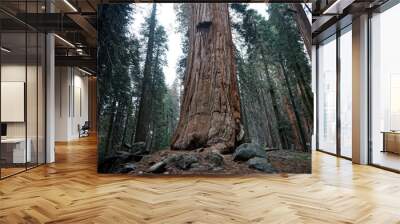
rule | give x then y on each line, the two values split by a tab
71	191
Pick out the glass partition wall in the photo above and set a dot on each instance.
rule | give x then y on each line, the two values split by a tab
334	89
22	78
334	94
385	89
345	91
327	95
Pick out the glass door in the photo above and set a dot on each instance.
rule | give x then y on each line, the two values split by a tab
14	153
327	95
22	78
385	89
346	92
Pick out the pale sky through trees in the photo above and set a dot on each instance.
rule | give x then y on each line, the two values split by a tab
166	17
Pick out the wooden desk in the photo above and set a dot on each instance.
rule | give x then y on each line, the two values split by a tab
13	150
391	141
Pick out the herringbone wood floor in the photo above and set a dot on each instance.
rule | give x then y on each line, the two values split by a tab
70	191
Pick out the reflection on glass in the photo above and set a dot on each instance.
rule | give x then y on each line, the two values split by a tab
327	95
22	92
31	100
394	102
346	93
385	92
41	99
14	153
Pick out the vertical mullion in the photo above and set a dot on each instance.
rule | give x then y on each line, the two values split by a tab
338	81
37	89
69	92
369	100
60	88
45	87
73	92
26	85
316	97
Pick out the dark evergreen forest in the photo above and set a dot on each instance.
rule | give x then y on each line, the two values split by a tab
140	115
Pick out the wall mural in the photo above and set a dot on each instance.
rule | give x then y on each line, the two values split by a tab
205	89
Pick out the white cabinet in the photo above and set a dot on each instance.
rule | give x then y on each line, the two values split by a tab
19	155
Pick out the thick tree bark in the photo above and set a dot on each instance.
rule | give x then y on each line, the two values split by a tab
110	127
149	141
134	123
304	25
116	139
265	112
243	89
126	124
210	111
143	122
306	91
282	143
245	120
293	136
295	110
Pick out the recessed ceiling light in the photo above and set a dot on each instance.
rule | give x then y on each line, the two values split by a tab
70	5
65	41
84	71
5	50
338	6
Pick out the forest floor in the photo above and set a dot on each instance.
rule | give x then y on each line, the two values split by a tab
289	161
283	161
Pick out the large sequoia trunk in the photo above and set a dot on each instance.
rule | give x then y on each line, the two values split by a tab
304	25
210	110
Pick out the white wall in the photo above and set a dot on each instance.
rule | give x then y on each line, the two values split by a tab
17	73
71	102
62	82
80	103
33	127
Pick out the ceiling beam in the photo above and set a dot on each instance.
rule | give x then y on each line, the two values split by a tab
90	31
49	22
337	7
82	61
80	20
